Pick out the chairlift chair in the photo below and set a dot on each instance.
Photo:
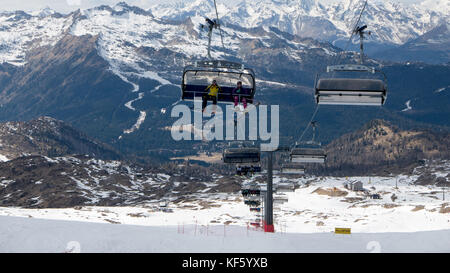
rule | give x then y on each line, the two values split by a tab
280	199
309	151
285	187
308	155
246	192
351	88
292	169
352	84
245	170
252	197
252	203
198	76
241	155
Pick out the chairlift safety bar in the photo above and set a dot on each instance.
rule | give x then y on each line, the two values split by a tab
351	67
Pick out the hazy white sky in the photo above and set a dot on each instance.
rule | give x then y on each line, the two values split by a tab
69	5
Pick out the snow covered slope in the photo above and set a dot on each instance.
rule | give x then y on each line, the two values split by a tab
76	237
317	205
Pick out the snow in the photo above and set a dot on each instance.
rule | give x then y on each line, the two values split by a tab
3	158
156	77
138	123
441	89
271	83
408	106
129	103
63	236
17	34
435	5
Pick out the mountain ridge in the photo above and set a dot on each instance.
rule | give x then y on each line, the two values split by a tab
332	22
50	137
381	148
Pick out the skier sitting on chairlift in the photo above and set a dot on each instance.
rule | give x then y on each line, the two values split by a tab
238	170
214	90
238	91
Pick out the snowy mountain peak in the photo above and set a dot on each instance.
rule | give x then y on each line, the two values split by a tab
123	7
391	22
47	11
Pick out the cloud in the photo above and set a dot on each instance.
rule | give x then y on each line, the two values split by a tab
74	2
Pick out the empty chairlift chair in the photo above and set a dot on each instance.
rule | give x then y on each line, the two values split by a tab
197	77
292	169
308	155
280	199
309	151
351	85
285	187
241	155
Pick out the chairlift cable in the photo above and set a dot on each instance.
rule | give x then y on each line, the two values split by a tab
338	56
218	23
307	127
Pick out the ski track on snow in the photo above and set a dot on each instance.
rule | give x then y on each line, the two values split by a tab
149	75
408	106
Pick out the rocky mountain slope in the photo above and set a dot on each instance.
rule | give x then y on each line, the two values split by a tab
49	137
382	148
40	181
431	47
72	181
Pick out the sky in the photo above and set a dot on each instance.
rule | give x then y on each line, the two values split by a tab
65	6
